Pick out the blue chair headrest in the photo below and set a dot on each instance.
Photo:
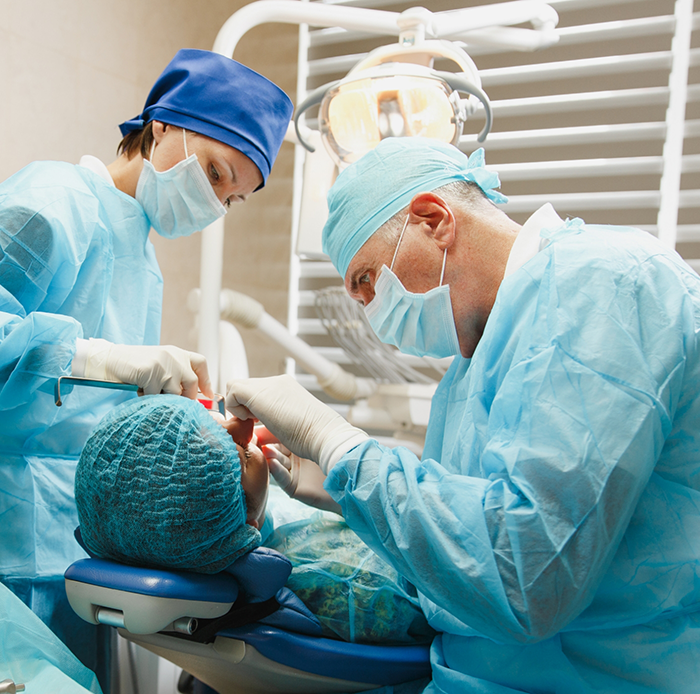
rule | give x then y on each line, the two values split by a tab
261	573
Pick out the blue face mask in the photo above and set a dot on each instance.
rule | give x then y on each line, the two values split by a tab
178	201
419	324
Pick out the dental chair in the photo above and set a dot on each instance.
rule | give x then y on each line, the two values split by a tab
240	631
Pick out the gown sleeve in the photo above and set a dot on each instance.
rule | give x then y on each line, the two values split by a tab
539	451
38	264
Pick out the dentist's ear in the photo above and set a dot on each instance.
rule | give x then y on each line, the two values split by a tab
435	218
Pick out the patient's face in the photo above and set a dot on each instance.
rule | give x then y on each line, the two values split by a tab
255	480
255	475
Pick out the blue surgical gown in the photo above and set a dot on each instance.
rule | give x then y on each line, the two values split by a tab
552	526
75	262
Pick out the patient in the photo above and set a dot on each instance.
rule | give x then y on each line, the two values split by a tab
161	482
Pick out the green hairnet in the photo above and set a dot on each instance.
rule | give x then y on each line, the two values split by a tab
159	484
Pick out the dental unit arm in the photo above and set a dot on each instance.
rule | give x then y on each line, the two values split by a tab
400	408
501	25
245	311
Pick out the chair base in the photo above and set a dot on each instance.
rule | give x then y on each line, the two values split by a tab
231	666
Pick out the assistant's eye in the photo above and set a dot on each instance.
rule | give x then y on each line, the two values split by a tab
364	279
214	173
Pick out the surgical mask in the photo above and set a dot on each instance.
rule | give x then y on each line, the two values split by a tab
178	201
419	324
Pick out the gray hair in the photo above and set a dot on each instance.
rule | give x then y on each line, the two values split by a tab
465	194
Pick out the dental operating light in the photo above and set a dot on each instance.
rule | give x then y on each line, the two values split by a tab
520	25
395	92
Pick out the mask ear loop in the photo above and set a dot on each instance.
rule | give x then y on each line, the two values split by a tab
396	252
184	142
444	260
442	274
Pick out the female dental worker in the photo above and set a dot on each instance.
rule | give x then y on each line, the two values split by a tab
81	294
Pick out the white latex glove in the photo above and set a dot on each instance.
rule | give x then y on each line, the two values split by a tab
153	368
302	423
299	478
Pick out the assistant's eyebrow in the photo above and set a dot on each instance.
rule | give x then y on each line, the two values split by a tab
234	181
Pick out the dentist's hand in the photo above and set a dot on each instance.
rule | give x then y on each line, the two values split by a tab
154	369
305	425
299	478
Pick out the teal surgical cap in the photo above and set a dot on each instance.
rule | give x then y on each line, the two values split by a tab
373	189
159	484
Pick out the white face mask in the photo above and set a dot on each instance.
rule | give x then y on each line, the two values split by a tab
178	201
419	324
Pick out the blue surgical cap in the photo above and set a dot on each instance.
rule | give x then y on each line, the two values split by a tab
215	96
158	484
373	189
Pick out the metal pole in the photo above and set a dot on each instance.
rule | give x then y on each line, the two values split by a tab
667	220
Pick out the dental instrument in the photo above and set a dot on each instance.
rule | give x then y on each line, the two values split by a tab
217	402
93	382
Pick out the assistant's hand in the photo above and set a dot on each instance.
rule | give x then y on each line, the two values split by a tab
299	478
302	423
154	369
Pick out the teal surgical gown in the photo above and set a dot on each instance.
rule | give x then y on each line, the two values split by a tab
31	655
75	262
552	527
